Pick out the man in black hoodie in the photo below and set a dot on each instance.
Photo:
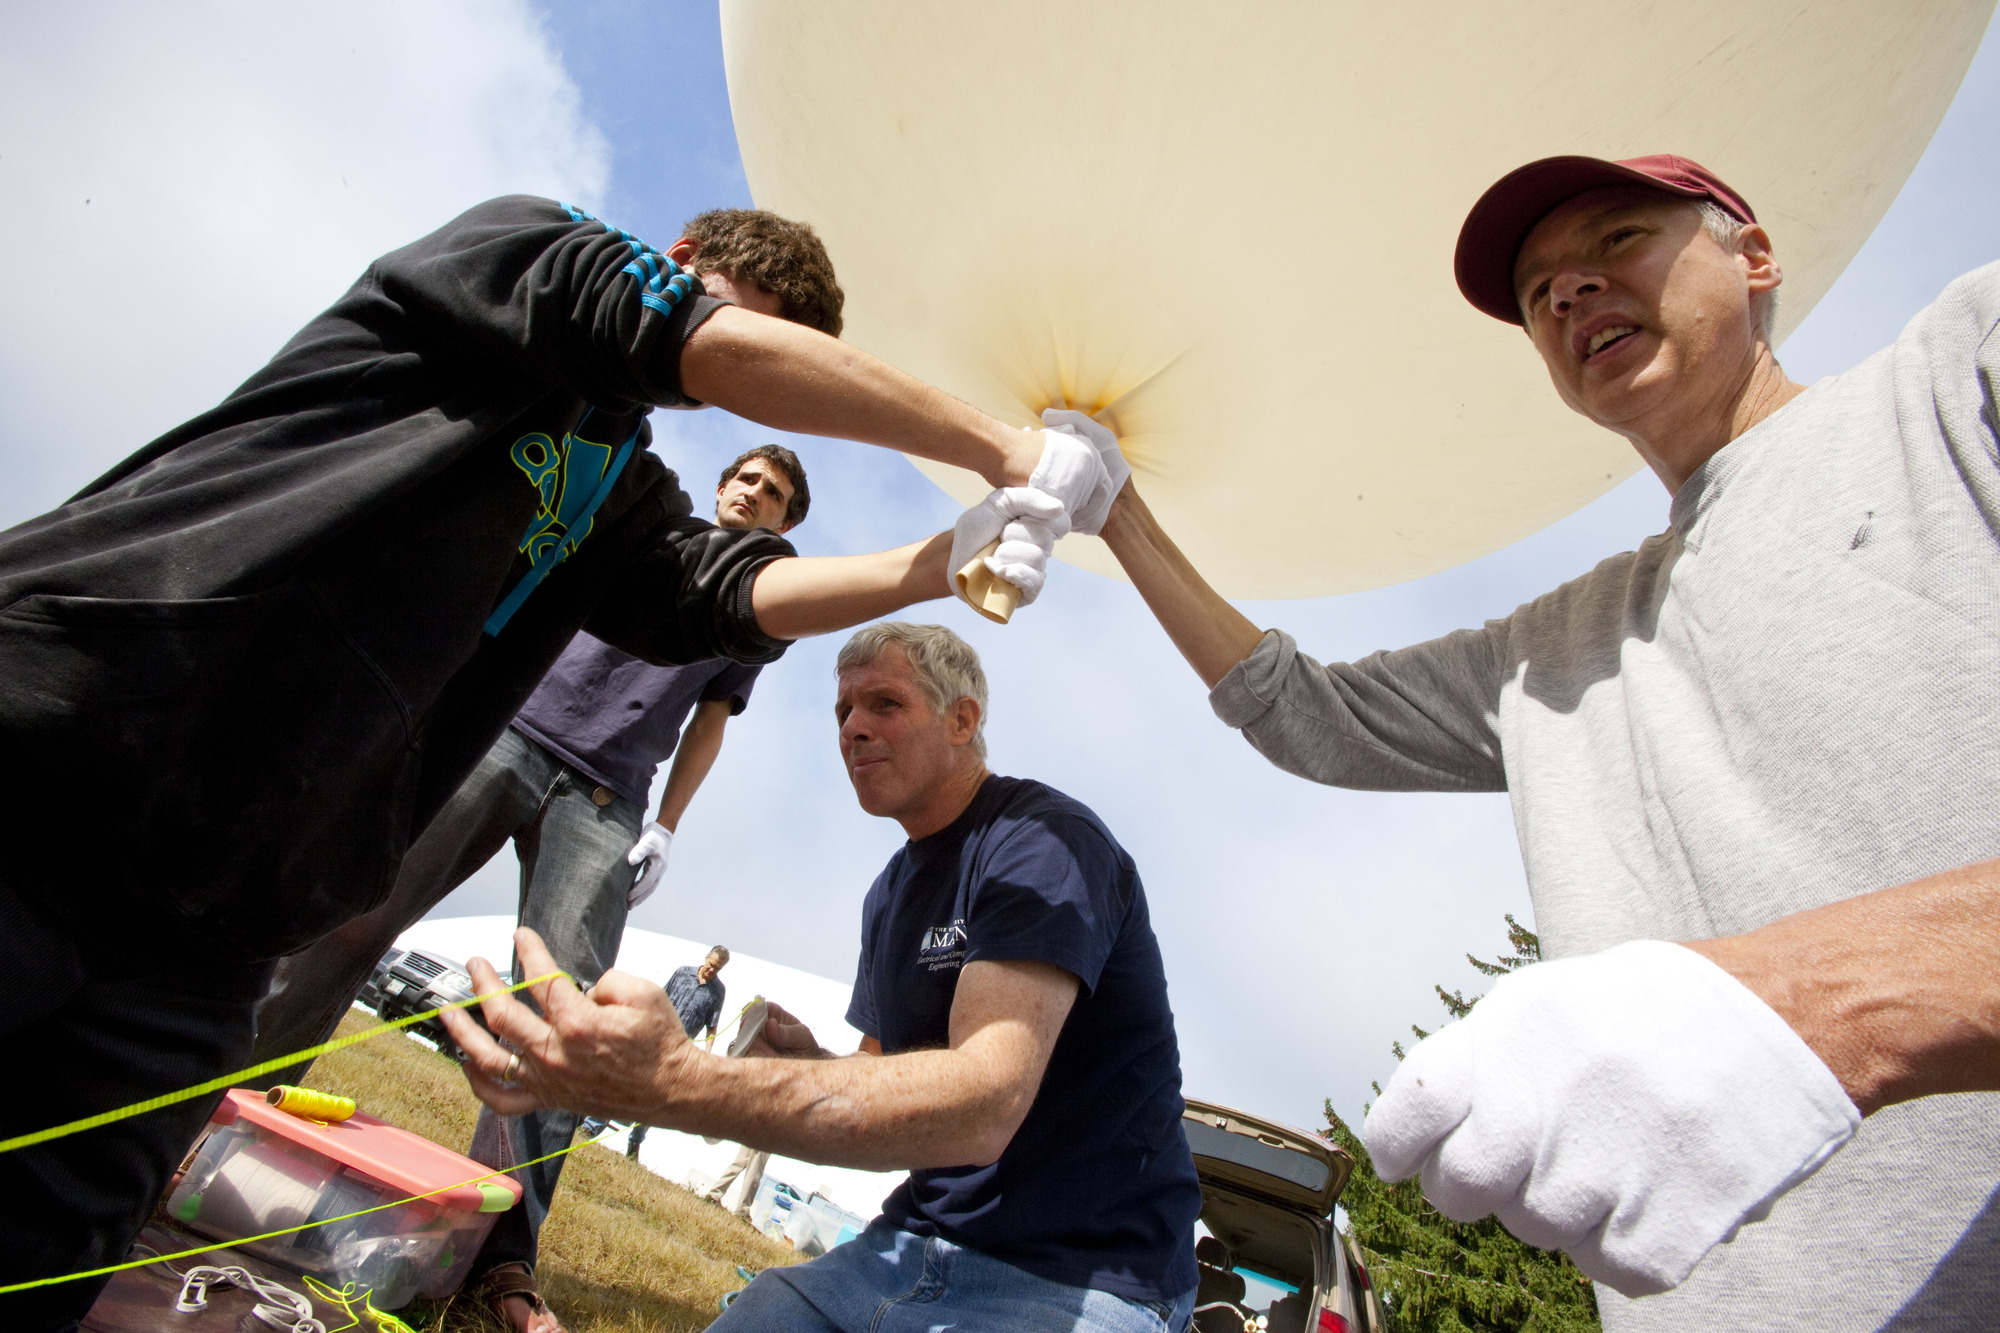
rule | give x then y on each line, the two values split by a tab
244	668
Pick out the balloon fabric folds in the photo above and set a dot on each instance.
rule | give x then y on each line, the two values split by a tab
1227	229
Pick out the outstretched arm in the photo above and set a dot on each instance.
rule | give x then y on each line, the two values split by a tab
1211	634
1413	720
822	593
620	1052
557	295
790	377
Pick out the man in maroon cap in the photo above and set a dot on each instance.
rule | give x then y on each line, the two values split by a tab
1771	734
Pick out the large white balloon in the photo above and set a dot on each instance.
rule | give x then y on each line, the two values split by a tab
1227	228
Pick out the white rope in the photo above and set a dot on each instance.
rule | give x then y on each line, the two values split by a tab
278	1305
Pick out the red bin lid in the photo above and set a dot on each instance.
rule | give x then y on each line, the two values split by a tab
396	1157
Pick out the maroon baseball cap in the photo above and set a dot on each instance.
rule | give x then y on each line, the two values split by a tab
1490	240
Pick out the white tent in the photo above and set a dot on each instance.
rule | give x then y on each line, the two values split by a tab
687	1159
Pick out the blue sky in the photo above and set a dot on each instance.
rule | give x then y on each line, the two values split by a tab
235	187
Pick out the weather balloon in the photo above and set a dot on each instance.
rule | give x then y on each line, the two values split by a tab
1226	229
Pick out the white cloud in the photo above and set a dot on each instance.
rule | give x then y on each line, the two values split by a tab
182	186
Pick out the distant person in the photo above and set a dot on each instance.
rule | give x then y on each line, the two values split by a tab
697	995
749	1165
1018	1050
1770	734
242	671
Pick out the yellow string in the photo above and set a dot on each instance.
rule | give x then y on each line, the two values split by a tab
345	1298
717	1035
308	1226
244	1075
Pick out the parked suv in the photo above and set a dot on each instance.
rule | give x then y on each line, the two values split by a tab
409	981
1269	1258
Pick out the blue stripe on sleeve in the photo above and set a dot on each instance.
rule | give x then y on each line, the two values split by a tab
663	284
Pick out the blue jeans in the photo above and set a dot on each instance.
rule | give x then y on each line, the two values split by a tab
574	884
890	1281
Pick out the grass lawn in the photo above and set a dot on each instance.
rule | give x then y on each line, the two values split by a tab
623	1252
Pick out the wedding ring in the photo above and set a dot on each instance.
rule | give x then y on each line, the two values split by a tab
513	1069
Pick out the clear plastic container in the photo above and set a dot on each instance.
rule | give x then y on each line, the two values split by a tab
261	1170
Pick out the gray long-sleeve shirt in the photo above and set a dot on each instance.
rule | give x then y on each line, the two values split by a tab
1789	697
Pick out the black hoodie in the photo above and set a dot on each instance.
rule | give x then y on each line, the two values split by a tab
240	672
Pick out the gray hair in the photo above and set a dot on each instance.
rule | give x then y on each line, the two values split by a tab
1725	227
946	668
720	953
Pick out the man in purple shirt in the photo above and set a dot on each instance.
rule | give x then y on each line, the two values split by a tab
567	782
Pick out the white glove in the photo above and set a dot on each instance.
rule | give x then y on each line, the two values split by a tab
650	855
1100	438
1633	1107
1071	473
1027	523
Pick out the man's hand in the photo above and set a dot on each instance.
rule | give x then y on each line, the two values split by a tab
1099	437
650	855
1633	1107
611	1053
1070	489
1071	472
620	1052
784	1037
1027	525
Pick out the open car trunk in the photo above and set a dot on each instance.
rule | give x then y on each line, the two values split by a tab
1262	1157
1267	1193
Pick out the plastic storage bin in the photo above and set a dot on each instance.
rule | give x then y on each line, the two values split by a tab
776	1210
261	1170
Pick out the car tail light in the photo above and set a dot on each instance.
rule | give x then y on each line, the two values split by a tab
1329	1322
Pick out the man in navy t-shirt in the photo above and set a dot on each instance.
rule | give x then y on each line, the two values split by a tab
1011	990
568	783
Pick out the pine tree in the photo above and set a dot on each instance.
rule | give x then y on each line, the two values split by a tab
1441	1276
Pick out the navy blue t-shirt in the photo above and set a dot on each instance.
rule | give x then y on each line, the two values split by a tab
616	717
1097	1188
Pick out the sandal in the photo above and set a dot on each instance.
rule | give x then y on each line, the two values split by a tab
515	1282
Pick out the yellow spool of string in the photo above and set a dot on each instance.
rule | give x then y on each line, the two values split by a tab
310	1104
